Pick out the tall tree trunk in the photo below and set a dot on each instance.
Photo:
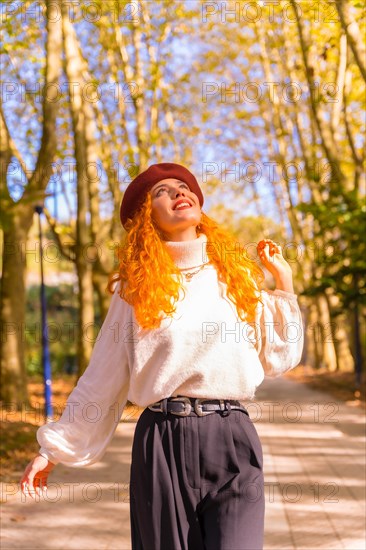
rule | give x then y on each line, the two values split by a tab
328	142
354	36
356	332
12	312
314	337
86	158
17	219
329	355
278	135
339	335
15	226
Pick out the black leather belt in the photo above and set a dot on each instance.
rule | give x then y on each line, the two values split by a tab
191	406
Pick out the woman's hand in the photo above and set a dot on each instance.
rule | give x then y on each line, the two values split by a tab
35	476
270	254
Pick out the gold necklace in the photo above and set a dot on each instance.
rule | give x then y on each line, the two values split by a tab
188	276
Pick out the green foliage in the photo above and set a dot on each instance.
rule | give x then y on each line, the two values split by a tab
62	328
340	251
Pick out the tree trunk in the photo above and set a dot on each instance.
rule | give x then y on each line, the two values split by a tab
329	355
17	220
328	142
277	140
314	338
356	331
12	313
353	34
100	283
83	129
340	337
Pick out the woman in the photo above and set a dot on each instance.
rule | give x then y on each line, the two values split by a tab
188	336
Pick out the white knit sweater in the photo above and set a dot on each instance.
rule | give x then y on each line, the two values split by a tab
204	350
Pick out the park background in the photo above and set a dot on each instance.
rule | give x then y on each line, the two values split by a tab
263	101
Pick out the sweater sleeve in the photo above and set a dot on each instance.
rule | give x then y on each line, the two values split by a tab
93	410
281	332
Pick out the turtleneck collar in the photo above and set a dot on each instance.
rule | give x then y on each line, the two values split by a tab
188	254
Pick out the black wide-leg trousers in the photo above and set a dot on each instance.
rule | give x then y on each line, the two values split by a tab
196	483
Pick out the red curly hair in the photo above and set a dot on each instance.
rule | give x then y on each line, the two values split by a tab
151	282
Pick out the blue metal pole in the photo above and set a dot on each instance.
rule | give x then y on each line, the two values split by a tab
46	362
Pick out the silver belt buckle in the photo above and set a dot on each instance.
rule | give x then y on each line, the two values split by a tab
198	407
155	407
187	405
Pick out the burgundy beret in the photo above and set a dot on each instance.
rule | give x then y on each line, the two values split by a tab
141	185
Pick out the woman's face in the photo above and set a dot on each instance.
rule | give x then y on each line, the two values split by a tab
175	209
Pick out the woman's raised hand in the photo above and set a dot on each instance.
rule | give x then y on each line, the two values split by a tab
34	479
270	254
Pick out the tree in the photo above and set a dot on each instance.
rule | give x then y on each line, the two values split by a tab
17	217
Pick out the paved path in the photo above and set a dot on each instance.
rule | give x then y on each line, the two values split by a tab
314	449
